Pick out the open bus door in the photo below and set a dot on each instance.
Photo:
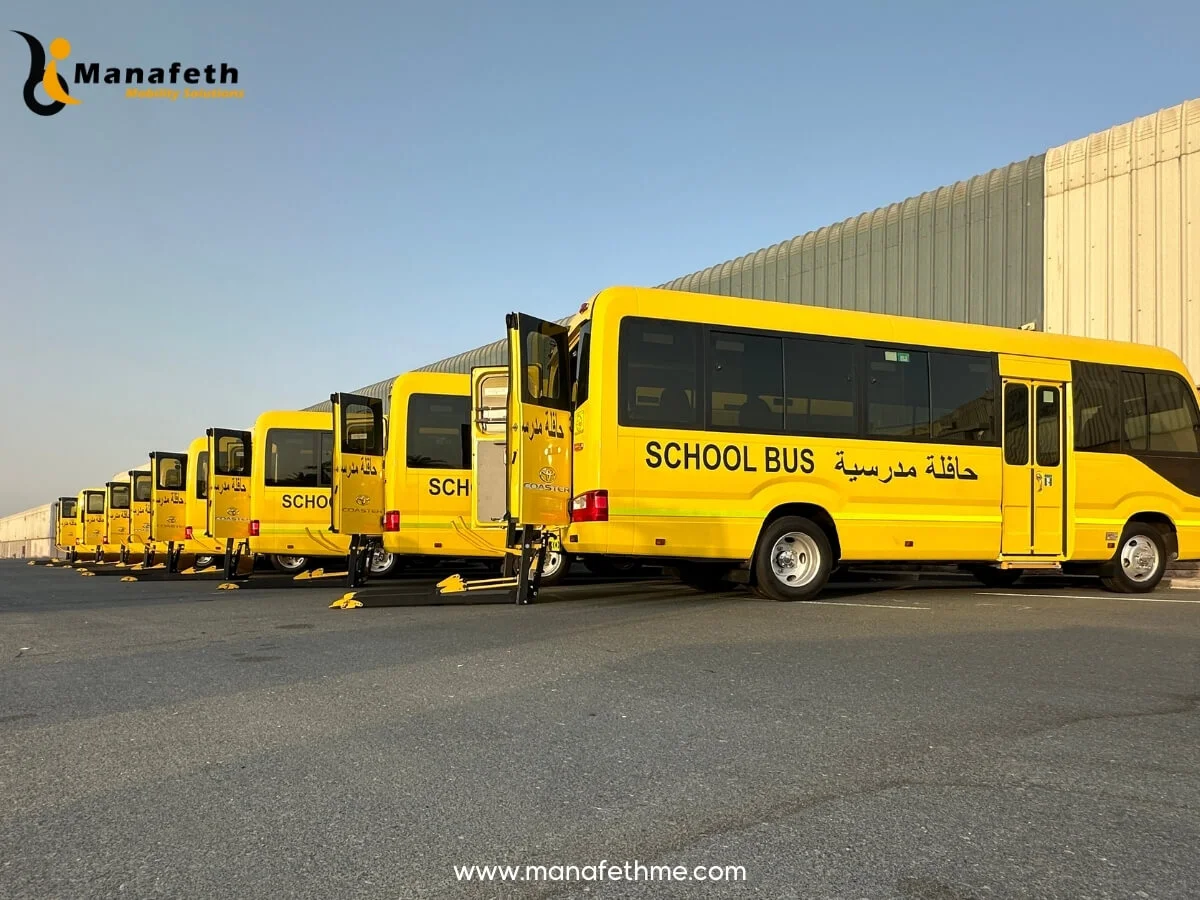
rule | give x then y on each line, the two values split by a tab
139	510
537	451
227	517
489	447
168	504
117	511
356	499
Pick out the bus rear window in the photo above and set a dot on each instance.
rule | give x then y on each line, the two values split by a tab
170	474
66	509
95	504
438	431
141	488
202	475
119	496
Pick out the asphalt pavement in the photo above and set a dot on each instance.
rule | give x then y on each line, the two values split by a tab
919	740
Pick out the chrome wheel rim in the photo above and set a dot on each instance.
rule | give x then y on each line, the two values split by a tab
290	562
1139	558
203	561
552	563
795	559
381	561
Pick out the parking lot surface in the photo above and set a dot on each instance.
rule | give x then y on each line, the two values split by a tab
935	740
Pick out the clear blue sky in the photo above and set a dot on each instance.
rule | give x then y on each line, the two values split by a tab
399	176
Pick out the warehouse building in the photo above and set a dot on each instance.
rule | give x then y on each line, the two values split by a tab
1097	238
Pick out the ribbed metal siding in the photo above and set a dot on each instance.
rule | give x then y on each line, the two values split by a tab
381	390
968	252
1123	233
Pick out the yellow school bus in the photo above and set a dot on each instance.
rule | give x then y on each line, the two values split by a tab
402	486
767	443
90	504
290	478
66	527
139	511
197	539
118	500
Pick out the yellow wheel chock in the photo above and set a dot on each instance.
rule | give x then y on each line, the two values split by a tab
346	601
227	586
128	578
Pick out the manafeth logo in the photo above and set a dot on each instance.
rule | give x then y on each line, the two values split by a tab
46	74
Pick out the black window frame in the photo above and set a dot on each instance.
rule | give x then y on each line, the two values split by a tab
1124	448
203	475
74	513
859	346
87	506
324	470
375	447
141	478
464	430
581	362
112	494
241	471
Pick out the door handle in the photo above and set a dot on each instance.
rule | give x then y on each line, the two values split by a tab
1037	476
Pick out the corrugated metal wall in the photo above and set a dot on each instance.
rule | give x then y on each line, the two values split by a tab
1123	233
969	252
28	534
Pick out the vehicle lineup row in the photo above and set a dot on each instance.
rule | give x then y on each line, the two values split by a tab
732	441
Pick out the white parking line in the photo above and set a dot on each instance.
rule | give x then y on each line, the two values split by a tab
870	605
1046	594
1096	596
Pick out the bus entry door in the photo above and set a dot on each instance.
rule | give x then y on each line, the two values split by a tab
489	448
228	513
1034	491
356	501
168	496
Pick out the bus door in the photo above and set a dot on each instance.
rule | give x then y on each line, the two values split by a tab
1034	480
356	496
539	423
68	524
227	516
139	507
92	516
489	448
168	497
118	515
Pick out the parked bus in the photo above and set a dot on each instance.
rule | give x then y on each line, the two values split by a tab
290	478
402	486
66	527
767	443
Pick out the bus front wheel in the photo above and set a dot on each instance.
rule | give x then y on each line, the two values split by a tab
794	559
1140	561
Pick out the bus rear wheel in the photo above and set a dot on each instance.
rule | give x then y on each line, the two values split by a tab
1139	562
288	564
554	567
203	562
384	563
794	560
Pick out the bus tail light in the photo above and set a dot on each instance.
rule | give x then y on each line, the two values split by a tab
187	532
254	528
391	520
590	506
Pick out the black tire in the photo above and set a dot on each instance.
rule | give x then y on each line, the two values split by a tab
990	576
806	559
1139	562
203	561
612	566
705	577
289	565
